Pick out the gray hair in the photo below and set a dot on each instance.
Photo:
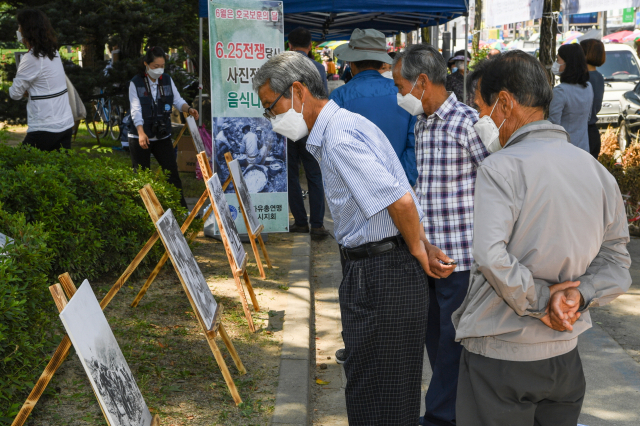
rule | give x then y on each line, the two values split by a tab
422	59
282	70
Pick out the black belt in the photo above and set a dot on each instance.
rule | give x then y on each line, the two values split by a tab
55	95
372	249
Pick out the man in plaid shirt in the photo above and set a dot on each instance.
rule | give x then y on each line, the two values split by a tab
448	152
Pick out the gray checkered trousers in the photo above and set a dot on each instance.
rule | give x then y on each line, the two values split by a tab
384	302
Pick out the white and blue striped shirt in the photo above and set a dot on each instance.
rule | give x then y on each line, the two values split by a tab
362	175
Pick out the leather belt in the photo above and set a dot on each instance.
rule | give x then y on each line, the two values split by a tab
372	249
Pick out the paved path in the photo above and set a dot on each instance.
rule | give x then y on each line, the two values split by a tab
613	377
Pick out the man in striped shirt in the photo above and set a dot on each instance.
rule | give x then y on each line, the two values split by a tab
448	153
383	295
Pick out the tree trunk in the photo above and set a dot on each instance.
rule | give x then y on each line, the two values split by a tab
130	48
548	32
477	26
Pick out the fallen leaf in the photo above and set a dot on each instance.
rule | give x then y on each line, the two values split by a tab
162	345
189	417
321	382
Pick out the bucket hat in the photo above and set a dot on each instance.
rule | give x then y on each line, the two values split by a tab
364	45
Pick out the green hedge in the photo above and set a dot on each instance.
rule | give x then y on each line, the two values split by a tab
68	213
26	310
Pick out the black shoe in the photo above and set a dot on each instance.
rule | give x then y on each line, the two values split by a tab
319	233
341	356
300	229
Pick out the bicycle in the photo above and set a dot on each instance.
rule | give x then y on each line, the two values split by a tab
107	118
632	215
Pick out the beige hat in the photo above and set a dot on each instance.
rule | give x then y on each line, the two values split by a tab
365	45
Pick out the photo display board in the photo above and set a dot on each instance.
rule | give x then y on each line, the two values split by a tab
230	230
195	134
243	35
245	196
187	267
103	361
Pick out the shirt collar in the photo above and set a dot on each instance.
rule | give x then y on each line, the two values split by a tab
317	133
447	106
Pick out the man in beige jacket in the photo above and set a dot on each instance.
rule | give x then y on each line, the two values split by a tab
549	244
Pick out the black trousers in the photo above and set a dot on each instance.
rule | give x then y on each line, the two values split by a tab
384	302
594	140
445	296
49	141
493	392
296	153
164	153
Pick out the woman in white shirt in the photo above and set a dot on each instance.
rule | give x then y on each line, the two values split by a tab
151	94
41	77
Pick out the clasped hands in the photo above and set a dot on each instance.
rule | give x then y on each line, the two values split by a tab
562	310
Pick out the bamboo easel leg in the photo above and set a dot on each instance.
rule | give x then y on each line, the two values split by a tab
152	277
264	251
245	305
232	349
252	294
263	275
223	368
56	360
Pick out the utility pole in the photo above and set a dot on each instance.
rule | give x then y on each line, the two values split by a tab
548	32
477	26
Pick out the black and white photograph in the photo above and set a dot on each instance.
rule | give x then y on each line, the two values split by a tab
261	152
195	134
103	361
186	264
228	225
245	197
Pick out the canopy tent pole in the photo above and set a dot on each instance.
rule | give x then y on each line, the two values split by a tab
466	64
200	79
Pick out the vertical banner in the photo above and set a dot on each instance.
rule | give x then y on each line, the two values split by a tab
243	35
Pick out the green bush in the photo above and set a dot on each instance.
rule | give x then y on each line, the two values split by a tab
67	212
26	310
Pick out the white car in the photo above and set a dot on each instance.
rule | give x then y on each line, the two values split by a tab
621	74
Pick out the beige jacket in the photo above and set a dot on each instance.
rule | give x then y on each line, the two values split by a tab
545	212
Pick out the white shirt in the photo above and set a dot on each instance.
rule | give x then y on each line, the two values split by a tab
43	77
136	108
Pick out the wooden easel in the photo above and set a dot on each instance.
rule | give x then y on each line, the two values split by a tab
58	356
61	301
165	257
184	128
237	270
156	211
252	236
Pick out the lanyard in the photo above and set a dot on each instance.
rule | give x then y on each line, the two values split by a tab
160	92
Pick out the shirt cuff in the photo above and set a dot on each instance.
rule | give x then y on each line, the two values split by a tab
588	292
543	295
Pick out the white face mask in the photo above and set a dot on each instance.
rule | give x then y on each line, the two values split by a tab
291	124
488	132
387	74
19	35
555	68
155	73
410	103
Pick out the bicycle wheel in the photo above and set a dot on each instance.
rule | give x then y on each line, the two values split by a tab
101	126
115	117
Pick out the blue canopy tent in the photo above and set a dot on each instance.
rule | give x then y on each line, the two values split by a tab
336	19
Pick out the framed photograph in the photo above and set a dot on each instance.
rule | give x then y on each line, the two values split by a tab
228	225
195	134
245	197
103	361
187	267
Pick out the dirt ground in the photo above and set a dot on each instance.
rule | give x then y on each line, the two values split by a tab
169	356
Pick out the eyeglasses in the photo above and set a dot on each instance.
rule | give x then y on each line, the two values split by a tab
268	114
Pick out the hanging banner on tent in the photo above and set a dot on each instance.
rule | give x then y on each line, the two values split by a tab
500	12
243	35
587	6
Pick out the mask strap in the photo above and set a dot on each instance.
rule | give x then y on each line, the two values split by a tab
505	118
494	107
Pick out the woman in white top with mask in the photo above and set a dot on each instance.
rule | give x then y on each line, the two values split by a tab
151	94
41	77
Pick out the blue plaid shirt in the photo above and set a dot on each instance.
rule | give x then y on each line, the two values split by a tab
361	174
448	153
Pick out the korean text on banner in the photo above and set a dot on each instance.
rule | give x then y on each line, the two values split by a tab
499	12
572	7
244	34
